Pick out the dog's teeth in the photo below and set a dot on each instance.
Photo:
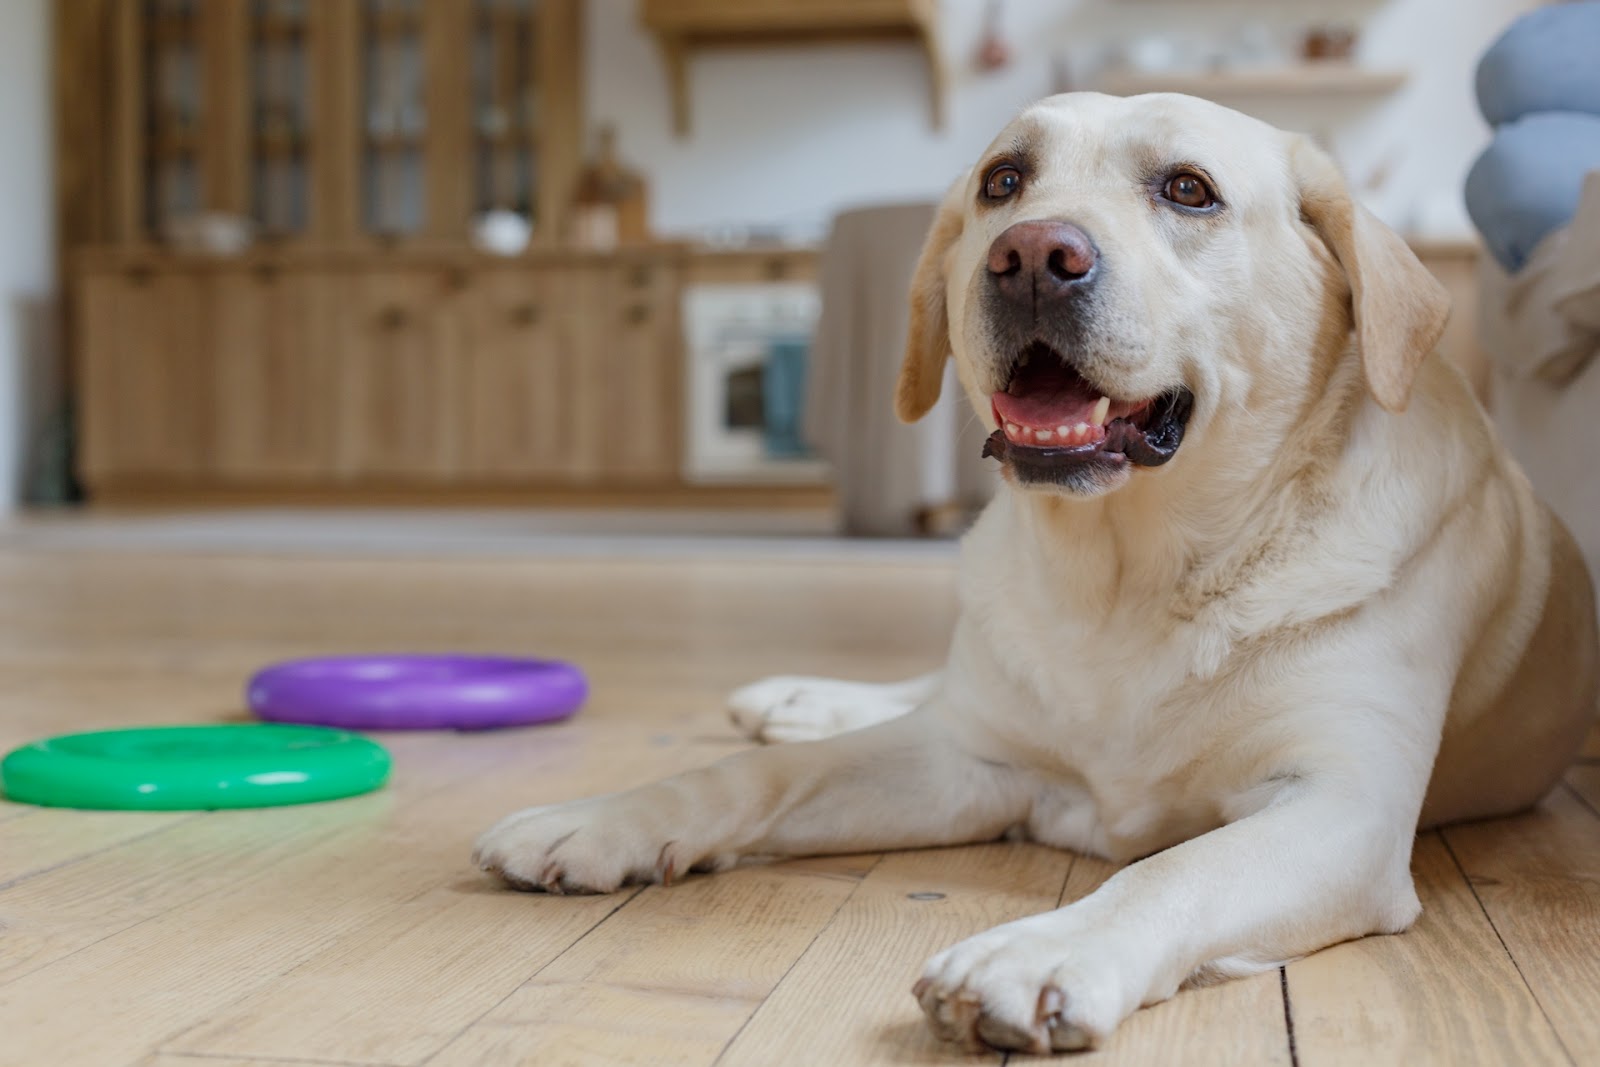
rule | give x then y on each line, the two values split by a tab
1081	431
1102	408
1042	435
1063	432
1013	430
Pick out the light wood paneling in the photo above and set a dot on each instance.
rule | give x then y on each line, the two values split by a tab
147	374
400	375
277	373
637	405
522	366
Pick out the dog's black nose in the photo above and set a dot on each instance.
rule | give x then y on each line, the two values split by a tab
1036	261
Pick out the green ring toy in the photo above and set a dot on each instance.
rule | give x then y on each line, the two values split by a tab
194	768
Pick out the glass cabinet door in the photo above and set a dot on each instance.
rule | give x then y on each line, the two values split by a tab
172	98
504	105
281	116
395	120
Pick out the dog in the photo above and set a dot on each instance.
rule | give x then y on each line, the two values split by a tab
1260	593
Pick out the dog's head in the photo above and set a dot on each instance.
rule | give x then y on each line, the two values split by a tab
1122	279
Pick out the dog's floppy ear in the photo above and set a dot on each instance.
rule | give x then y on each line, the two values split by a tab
1399	309
928	340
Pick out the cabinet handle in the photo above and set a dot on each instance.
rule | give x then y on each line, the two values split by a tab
639	277
777	269
266	274
525	315
637	314
456	280
139	275
393	318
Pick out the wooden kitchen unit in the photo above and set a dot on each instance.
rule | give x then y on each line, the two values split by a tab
359	348
418	370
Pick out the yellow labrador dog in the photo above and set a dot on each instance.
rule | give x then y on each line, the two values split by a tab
1260	595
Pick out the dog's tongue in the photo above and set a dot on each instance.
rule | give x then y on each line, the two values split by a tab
1044	410
1046	397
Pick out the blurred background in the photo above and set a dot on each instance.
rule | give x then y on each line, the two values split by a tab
575	268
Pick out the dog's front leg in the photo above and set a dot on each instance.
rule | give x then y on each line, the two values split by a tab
1321	863
904	784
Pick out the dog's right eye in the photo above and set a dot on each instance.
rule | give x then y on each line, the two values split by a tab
1002	182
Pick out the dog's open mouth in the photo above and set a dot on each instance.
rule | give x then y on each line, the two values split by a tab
1052	421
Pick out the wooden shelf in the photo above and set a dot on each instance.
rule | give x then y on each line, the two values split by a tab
396	142
278	30
173	144
685	26
525	140
392	24
167	31
280	145
1341	80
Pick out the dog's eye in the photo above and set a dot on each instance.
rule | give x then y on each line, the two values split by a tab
1188	189
1002	182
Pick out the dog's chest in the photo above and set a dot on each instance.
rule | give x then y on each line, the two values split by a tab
1122	702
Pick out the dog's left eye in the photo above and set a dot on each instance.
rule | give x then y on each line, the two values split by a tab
1002	182
1188	189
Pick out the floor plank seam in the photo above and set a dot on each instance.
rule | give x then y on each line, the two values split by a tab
276	1059
1444	839
101	851
821	928
1288	1015
333	832
1061	896
436	1053
80	857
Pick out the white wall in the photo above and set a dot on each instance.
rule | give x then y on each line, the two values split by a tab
27	270
791	135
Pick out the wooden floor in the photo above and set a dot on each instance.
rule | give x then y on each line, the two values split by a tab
357	933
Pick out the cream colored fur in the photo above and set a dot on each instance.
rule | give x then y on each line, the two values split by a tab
1250	674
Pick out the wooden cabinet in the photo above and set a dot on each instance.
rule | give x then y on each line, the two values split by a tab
637	402
358	344
425	373
521	378
400	353
146	376
322	121
268	341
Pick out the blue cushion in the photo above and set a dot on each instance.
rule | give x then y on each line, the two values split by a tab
1548	60
1527	183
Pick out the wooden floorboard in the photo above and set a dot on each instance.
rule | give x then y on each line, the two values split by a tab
1537	877
659	975
910	906
356	932
1446	992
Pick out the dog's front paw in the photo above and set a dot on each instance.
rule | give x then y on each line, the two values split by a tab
588	846
1037	985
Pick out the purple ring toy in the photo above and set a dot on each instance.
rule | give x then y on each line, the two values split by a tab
425	692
